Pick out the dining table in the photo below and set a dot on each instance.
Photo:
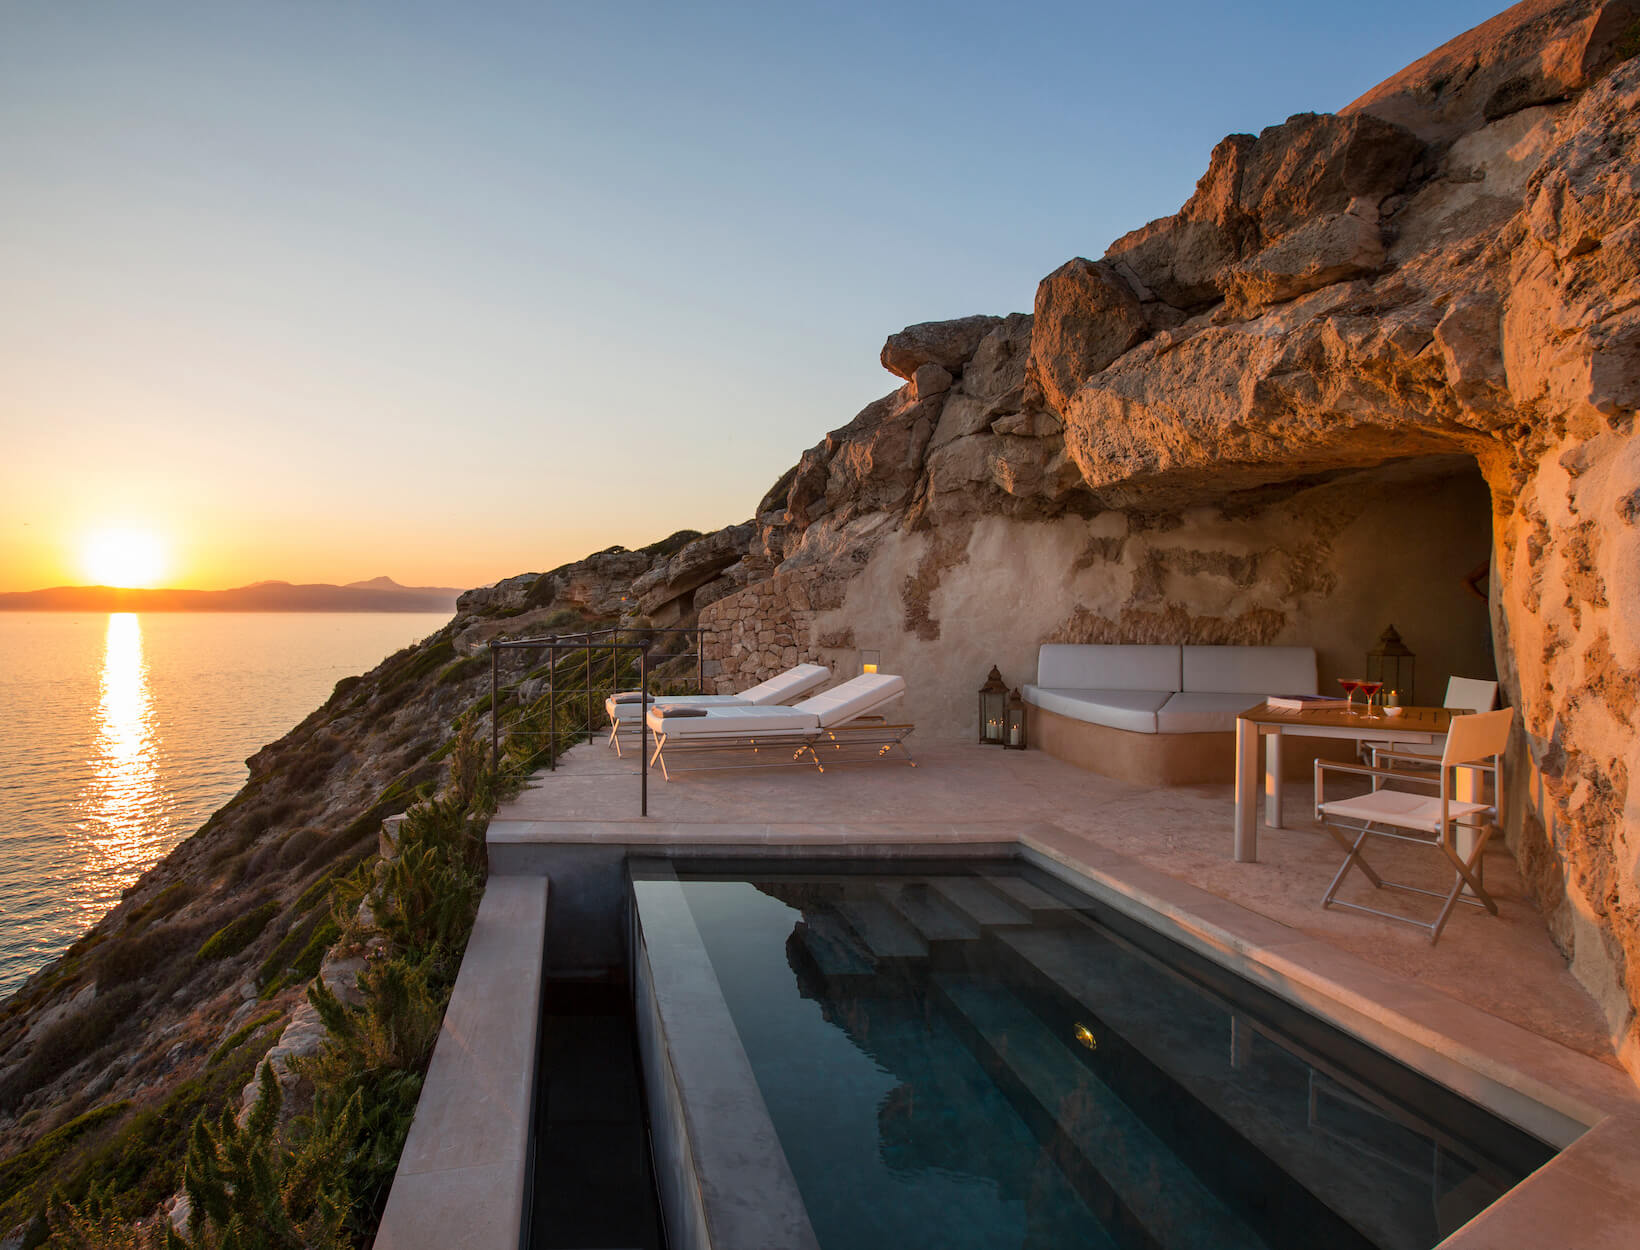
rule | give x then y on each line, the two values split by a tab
1412	726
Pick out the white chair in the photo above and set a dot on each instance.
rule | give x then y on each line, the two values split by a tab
1423	819
1468	694
624	706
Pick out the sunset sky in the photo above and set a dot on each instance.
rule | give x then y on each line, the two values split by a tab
320	291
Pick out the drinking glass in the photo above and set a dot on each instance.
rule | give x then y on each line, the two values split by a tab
1370	689
1351	685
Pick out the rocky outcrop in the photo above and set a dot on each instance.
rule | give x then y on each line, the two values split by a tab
1538	52
947	344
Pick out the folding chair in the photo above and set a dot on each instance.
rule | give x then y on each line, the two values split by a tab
1425	820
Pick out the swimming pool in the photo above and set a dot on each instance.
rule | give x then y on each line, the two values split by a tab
977	1055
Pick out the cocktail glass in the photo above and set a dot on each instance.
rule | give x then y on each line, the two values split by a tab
1371	689
1351	685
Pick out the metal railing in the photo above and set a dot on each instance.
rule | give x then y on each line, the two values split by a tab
588	642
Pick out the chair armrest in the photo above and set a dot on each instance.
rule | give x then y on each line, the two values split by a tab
1432	760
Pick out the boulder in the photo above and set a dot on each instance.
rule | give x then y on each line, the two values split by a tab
1332	248
1534	53
698	563
931	379
1086	316
948	344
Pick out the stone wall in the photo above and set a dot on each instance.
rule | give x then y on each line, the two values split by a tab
763	630
1326	566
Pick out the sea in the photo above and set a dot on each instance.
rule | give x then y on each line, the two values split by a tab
121	732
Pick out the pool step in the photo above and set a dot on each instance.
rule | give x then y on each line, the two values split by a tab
1033	898
976	900
884	931
927	912
1106	1150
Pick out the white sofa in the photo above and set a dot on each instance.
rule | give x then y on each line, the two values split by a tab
1170	690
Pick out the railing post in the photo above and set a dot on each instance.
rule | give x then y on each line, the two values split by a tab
700	660
552	705
589	686
643	731
495	712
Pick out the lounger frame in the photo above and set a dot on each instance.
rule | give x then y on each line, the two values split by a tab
818	747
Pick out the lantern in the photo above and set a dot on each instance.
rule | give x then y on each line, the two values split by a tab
1391	663
993	708
869	660
1014	728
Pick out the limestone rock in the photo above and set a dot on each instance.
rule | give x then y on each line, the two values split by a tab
1086	316
948	344
931	379
1309	168
1333	248
699	562
1533	53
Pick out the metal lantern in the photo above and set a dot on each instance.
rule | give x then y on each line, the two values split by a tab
869	660
1391	663
993	708
1014	730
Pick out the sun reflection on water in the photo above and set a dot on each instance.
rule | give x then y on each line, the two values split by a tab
122	810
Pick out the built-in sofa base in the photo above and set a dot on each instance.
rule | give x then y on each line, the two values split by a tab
1163	759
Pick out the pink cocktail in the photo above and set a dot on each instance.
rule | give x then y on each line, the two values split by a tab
1371	689
1351	685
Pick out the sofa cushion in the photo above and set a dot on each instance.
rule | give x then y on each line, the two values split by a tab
1072	666
1133	710
1203	712
1249	670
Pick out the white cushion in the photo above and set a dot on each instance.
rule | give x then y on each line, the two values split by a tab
735	718
853	698
794	683
1133	710
1075	666
625	712
1249	670
1202	712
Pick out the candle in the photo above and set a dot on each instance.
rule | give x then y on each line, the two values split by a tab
1013	735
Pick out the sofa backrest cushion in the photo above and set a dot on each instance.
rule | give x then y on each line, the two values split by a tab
1250	670
1070	666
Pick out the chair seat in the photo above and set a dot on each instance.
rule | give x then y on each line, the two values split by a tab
1400	807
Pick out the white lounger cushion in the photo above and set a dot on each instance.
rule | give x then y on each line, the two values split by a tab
1068	666
781	688
1133	710
829	710
1250	670
734	718
1204	711
854	697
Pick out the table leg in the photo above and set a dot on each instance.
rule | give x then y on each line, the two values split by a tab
1247	736
1272	779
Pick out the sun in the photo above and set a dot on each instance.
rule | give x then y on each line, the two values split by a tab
124	557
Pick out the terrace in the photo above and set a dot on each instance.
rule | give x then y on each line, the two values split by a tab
1491	1011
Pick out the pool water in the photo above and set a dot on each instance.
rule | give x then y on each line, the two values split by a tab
983	1057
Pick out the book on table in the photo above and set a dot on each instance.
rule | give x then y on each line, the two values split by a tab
1300	702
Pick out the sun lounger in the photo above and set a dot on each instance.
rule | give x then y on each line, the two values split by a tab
623	707
818	730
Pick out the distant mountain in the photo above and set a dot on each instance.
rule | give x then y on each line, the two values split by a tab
379	594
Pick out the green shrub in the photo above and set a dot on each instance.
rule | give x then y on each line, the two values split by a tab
238	933
172	898
28	1166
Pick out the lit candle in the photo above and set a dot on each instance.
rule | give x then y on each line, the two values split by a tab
1013	735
